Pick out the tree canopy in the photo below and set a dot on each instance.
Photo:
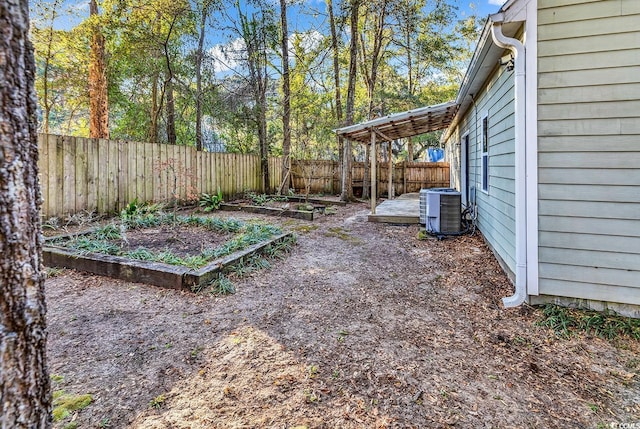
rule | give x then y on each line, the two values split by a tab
212	73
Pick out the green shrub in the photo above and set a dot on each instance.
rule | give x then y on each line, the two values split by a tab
210	202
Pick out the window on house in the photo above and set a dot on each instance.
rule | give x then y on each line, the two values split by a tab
485	153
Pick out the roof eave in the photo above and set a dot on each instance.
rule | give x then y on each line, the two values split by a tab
483	62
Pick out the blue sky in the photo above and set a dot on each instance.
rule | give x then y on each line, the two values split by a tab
298	18
303	16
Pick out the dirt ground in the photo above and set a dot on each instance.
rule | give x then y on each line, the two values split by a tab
183	240
361	326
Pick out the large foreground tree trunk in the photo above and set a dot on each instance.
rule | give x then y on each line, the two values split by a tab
24	383
98	99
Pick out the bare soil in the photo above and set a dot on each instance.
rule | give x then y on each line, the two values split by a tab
182	240
361	326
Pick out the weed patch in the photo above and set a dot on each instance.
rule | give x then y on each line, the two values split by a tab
566	322
157	401
223	283
112	239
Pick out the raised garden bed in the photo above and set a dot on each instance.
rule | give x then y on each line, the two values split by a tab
273	211
185	252
303	199
297	207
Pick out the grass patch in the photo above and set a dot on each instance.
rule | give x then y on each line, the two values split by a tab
566	322
53	272
305	229
64	404
330	210
305	207
223	283
342	234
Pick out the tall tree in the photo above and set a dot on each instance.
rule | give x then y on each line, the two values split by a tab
347	179
199	57
373	44
25	398
47	40
62	60
147	41
256	32
336	77
286	100
408	17
98	97
204	9
168	85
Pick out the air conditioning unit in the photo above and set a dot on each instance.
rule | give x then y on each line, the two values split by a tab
423	206
423	202
444	211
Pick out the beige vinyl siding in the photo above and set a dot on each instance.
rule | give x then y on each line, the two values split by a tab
496	208
589	149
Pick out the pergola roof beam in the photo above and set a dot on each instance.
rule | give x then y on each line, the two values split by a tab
401	125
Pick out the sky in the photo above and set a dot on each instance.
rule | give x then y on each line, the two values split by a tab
304	16
298	17
309	17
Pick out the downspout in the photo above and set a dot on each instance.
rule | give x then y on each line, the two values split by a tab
517	49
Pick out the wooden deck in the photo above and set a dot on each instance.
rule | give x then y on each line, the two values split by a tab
403	210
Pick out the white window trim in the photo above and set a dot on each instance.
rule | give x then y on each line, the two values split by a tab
484	156
465	164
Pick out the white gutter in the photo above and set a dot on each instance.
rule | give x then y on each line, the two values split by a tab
531	45
517	48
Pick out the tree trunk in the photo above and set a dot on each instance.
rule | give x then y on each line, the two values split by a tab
408	37
371	74
171	112
336	78
366	178
155	110
347	179
98	97
254	37
25	397
168	88
46	101
199	56
286	101
410	149
262	129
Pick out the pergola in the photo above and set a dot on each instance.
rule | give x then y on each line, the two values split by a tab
397	126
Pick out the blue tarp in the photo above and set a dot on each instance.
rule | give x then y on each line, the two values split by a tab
436	154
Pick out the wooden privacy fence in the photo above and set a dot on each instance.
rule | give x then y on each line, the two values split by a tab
324	176
99	175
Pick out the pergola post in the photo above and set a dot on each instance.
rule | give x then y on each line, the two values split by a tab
374	190
390	189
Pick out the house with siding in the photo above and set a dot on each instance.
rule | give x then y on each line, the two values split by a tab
545	146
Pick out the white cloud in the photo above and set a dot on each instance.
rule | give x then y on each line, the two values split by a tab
308	40
81	7
496	2
227	57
